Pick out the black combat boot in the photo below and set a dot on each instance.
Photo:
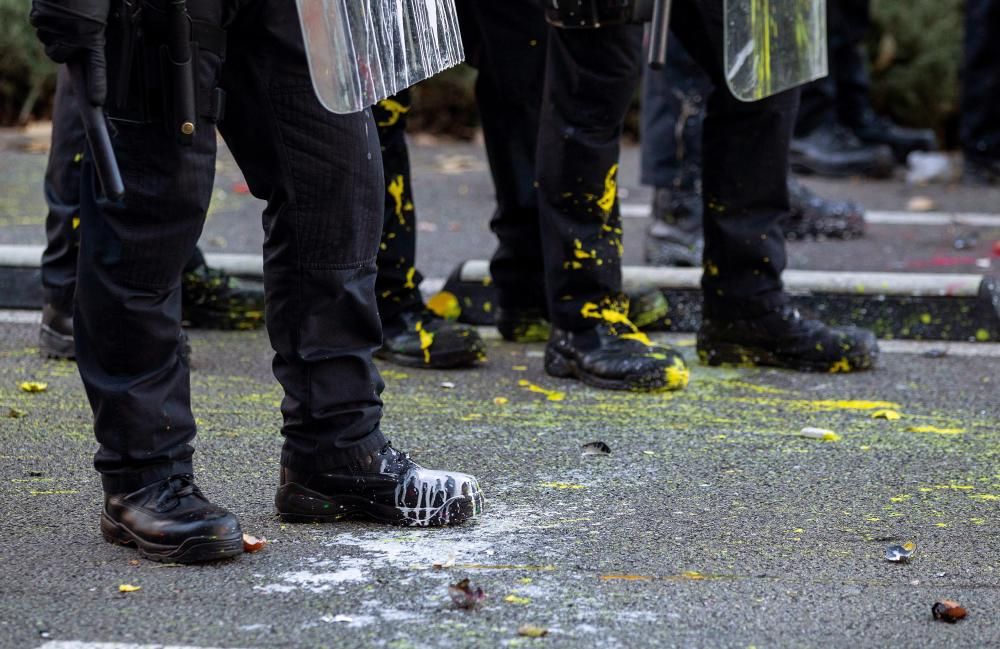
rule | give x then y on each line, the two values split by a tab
213	299
674	238
171	521
875	129
813	216
646	307
388	488
833	150
980	172
420	338
614	355
782	338
55	337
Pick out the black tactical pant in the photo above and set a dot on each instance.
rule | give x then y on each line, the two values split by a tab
590	80
321	177
980	122
843	95
62	195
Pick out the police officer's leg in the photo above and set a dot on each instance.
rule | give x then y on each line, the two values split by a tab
510	40
413	335
322	178
591	75
62	195
127	330
745	192
980	121
673	106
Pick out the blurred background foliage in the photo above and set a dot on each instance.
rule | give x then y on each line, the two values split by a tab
915	49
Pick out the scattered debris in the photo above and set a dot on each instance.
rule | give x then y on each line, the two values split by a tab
447	385
996	248
447	563
819	433
596	448
900	553
928	167
517	599
128	588
466	595
920	204
983	262
33	386
891	415
966	241
936	352
253	544
532	631
426	226
947	610
14	413
501	401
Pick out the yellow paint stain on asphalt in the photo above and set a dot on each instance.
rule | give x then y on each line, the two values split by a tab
551	395
53	492
935	429
990	497
562	485
517	599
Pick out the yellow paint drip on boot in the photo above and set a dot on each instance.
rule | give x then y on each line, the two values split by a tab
410	274
677	375
445	304
426	340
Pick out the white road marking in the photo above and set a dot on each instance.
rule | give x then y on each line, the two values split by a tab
80	644
879	217
20	317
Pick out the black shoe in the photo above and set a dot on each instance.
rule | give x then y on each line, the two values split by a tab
615	355
213	299
523	325
647	306
783	338
55	337
390	488
420	338
833	150
813	216
674	238
875	129
980	173
171	521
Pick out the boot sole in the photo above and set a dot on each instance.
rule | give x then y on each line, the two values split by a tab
440	361
52	344
193	550
718	354
297	504
566	368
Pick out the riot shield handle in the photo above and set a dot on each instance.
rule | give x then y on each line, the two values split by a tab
659	31
96	128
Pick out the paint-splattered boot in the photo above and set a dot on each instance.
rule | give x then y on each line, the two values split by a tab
389	488
615	356
420	338
783	338
213	299
812	216
523	325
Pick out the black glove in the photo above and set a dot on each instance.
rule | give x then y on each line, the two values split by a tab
73	30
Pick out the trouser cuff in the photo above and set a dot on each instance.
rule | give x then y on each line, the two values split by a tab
324	460
745	309
125	481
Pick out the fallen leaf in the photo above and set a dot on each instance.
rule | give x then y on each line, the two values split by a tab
14	413
596	448
253	544
532	631
947	610
128	588
900	553
890	415
920	204
517	599
819	433
134	562
465	594
33	386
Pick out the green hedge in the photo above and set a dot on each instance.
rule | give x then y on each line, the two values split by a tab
915	48
27	77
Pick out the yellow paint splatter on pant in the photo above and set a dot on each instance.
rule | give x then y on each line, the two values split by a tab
607	200
395	189
395	110
410	274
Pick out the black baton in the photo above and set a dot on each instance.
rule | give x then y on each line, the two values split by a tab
98	137
659	30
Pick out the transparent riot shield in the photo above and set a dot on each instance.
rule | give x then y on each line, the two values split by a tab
362	51
773	45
